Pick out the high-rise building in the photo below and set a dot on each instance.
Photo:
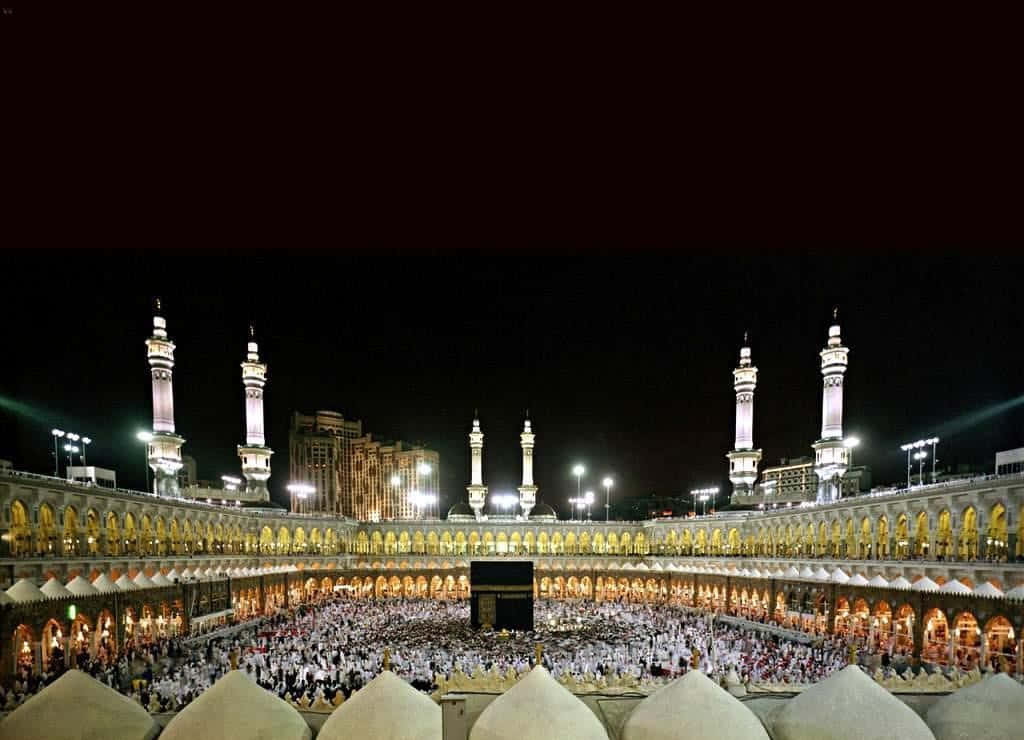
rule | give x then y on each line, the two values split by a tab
320	454
390	481
357	476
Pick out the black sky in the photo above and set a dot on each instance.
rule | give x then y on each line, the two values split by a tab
624	360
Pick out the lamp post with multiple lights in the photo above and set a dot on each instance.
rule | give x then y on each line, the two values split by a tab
57	434
301	491
607	483
145	438
702	495
920	455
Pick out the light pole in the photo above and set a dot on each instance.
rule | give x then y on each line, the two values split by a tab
607	483
920	456
301	491
588	499
934	441
145	438
702	495
71	450
424	469
57	434
73	439
909	446
85	442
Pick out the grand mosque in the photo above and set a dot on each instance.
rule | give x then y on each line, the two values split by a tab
934	572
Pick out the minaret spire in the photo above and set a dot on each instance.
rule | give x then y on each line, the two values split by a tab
527	491
744	459
165	446
255	455
831	456
476	489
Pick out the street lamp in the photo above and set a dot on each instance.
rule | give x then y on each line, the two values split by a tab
424	468
607	483
702	495
909	446
301	491
578	470
145	438
71	450
588	499
920	456
85	442
57	434
934	441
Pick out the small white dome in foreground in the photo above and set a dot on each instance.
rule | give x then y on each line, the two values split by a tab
845	706
692	707
992	709
537	707
387	707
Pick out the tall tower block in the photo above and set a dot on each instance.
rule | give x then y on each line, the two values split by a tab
744	459
165	446
527	491
254	453
476	488
831	456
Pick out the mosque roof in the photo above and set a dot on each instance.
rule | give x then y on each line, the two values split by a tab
387	707
236	707
78	706
125	583
81	587
54	589
104	584
537	707
847	704
540	511
992	709
461	509
690	707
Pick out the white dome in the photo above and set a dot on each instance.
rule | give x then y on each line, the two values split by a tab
81	587
54	589
806	572
987	589
173	575
848	704
857	580
899	582
387	707
839	576
537	707
924	583
236	707
24	591
78	706
5	599
159	579
103	584
791	572
692	707
878	582
992	709
955	587
142	581
1017	593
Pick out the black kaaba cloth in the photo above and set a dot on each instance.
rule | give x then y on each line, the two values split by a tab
501	595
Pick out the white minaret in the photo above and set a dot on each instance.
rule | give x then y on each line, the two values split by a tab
744	459
831	456
476	488
165	446
254	453
527	491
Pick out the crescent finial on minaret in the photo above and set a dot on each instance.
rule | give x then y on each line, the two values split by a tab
252	331
527	413
835	313
158	305
744	337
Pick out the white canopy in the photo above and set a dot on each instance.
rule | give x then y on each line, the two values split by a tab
81	587
839	576
5	599
78	706
172	575
899	582
142	581
791	572
955	587
187	573
924	583
1016	593
125	583
24	591
103	584
878	582
987	589
806	572
821	574
858	580
54	589
159	579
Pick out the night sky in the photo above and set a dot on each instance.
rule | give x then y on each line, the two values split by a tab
623	359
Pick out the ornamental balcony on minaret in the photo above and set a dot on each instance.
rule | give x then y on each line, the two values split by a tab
831	455
527	491
164	452
744	459
476	488
255	455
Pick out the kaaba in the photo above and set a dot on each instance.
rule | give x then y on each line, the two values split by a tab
502	595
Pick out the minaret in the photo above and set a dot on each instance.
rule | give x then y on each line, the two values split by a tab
744	459
527	491
254	453
476	488
165	446
831	456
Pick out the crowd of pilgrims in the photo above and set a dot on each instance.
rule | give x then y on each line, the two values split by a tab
339	644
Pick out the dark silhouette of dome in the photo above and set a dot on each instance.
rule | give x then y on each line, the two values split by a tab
460	510
542	511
